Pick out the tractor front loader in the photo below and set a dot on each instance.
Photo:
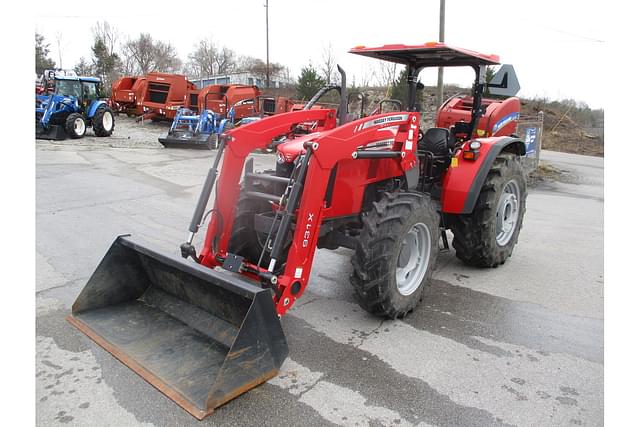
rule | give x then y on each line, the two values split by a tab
204	328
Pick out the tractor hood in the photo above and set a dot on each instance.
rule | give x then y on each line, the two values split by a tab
288	151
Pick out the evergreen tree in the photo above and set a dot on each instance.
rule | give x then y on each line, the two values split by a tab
400	88
105	64
309	82
43	62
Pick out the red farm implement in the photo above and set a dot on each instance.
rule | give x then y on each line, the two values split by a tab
127	95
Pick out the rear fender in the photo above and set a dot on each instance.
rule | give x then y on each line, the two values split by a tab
464	178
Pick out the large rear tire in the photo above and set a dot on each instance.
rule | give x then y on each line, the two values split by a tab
75	126
487	236
396	253
103	122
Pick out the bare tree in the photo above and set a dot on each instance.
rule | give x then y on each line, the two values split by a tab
365	77
208	60
225	60
328	65
166	58
144	55
141	53
127	61
258	67
202	61
107	34
385	75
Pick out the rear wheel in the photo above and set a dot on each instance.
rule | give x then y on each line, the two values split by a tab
75	125
487	236
396	254
103	122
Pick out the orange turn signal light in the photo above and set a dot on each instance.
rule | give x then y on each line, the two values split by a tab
470	154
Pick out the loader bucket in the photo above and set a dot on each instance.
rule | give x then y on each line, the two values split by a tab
201	336
188	140
53	132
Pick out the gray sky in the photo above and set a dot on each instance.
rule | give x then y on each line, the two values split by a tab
556	46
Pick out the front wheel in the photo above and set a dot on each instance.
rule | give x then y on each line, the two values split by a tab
487	236
75	125
396	254
103	122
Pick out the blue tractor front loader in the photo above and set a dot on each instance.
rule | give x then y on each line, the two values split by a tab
73	106
191	130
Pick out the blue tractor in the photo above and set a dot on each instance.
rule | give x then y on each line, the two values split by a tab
71	106
191	130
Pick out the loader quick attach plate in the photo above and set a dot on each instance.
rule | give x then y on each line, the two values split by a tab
200	336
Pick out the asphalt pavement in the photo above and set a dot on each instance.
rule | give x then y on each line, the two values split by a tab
521	344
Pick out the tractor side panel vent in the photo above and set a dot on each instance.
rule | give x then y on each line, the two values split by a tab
269	106
158	92
193	101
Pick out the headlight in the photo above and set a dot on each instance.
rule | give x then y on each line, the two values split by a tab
475	145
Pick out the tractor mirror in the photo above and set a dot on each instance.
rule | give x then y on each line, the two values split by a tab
504	82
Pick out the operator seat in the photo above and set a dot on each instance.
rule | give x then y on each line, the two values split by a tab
436	141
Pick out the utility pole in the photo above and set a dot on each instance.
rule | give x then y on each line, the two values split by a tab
440	89
267	13
58	39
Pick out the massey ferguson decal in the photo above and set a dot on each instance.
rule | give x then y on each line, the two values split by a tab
382	120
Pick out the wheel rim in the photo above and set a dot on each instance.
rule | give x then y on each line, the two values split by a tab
413	259
507	213
78	126
107	121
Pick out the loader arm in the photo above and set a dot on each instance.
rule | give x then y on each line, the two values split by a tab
329	148
240	142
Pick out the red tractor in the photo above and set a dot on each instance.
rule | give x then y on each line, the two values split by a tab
205	328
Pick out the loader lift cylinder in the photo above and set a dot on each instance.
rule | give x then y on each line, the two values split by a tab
292	202
187	249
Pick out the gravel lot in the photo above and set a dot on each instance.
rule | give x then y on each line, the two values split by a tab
518	345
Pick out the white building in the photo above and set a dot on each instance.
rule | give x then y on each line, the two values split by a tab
238	78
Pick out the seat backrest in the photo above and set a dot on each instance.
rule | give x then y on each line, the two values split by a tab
435	140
